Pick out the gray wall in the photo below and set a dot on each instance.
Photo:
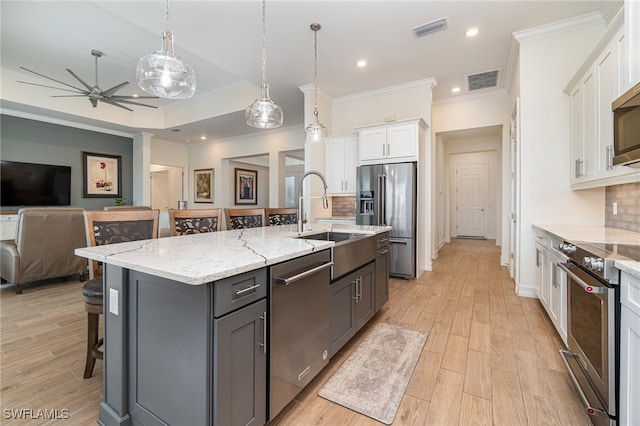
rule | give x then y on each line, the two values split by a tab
31	141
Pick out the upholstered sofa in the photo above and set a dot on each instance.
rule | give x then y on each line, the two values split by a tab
44	246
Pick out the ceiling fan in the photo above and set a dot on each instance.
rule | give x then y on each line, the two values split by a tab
95	93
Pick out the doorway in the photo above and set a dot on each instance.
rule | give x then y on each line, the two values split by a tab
470	181
166	187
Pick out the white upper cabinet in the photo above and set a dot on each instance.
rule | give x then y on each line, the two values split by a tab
341	160
392	143
597	84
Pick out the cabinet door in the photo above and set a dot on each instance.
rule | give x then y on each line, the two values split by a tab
334	165
541	275
558	296
576	133
365	302
587	171
372	144
629	367
402	141
342	323
350	163
240	367
382	277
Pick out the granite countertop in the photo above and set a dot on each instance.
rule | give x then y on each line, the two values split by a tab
202	258
598	235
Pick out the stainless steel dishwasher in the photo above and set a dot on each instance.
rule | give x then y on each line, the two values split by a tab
299	334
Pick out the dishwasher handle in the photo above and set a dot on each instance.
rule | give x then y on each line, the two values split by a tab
287	281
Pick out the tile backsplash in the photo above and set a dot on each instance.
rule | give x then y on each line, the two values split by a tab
343	206
627	197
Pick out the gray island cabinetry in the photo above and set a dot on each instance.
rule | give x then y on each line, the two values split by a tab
188	325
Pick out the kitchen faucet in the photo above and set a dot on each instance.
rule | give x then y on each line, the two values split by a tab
325	203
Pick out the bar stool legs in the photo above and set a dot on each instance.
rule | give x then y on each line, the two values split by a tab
92	292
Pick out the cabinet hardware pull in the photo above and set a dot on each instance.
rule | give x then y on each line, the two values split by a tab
244	290
609	157
287	281
264	332
383	251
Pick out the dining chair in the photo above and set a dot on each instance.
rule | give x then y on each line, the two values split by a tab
125	208
193	221
245	218
282	216
109	227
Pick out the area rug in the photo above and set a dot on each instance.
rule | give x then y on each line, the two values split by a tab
374	377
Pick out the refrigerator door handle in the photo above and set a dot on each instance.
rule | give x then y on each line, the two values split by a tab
394	241
382	191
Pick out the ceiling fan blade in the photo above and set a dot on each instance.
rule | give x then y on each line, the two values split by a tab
68	96
52	79
114	103
52	87
133	97
79	79
132	103
114	89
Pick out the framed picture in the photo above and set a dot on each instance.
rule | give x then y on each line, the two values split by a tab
246	186
102	175
203	184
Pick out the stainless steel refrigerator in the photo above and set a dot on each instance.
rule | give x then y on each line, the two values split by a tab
386	195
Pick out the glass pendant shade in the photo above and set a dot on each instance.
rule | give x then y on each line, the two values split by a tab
165	74
316	131
263	113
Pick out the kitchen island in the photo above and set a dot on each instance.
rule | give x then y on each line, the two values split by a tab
186	323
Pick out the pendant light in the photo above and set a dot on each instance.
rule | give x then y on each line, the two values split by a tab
263	113
165	74
316	131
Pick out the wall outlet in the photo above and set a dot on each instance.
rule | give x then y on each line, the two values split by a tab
615	208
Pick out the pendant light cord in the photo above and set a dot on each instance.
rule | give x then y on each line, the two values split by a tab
264	42
167	17
315	28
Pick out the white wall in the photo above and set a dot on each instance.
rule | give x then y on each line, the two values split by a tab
546	66
203	155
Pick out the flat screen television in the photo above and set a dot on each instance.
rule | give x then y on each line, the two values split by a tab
28	184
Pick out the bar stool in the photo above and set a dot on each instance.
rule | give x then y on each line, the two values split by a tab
245	218
109	227
193	221
282	216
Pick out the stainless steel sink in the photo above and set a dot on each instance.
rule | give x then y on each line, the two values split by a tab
350	252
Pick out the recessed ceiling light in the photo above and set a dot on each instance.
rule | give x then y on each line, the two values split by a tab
361	63
135	95
203	138
472	32
455	89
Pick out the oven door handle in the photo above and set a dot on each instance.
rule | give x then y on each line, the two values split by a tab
586	287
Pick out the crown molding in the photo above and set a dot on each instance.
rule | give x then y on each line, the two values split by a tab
586	20
431	81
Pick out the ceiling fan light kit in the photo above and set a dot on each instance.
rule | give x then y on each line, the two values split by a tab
263	113
165	74
316	131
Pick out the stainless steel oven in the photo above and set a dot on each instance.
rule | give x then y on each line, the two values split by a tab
593	317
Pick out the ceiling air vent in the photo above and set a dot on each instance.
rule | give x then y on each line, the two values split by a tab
483	80
431	27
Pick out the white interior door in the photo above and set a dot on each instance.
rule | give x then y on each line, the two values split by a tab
471	199
160	193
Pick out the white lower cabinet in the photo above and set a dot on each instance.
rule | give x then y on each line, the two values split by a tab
629	350
551	282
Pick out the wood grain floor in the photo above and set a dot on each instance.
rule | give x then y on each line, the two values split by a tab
491	357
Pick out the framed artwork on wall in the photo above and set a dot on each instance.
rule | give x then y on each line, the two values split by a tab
203	184
246	184
101	175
